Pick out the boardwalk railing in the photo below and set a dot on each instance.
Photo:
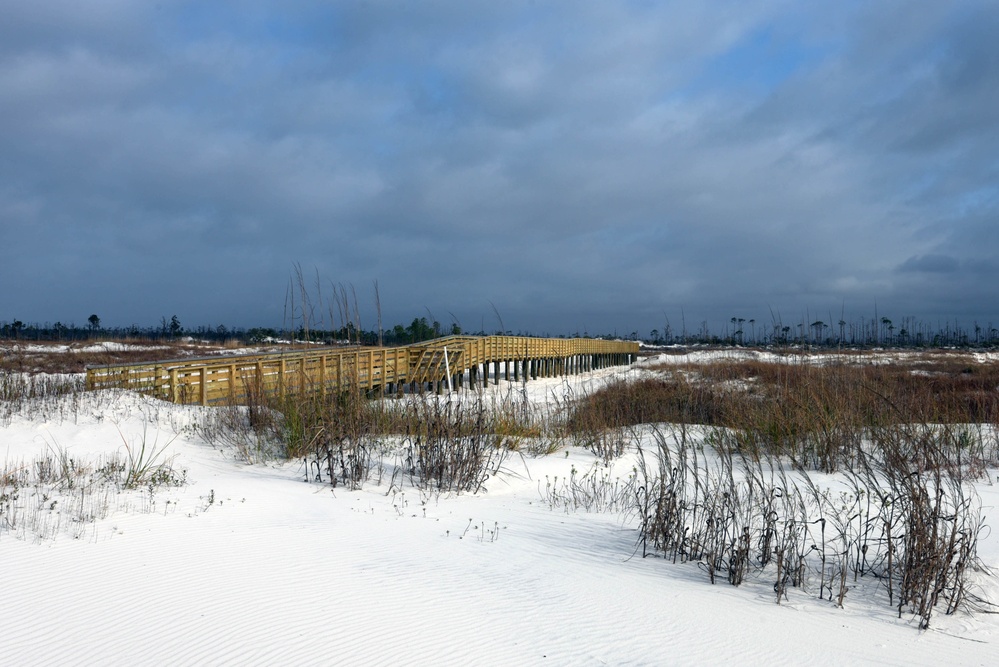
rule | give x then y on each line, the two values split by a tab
449	361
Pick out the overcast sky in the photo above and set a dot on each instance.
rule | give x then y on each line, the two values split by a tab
578	166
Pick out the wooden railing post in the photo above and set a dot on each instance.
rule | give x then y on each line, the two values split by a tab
282	368
323	374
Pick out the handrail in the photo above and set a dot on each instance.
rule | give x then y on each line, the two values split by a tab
235	377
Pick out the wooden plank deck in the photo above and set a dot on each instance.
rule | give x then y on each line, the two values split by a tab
421	367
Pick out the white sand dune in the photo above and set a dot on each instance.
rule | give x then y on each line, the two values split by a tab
251	565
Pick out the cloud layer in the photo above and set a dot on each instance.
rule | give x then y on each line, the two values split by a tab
576	165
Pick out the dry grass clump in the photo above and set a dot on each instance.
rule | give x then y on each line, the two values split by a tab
19	387
60	493
333	432
818	415
336	434
344	437
39	396
911	525
595	420
647	401
595	490
451	447
726	482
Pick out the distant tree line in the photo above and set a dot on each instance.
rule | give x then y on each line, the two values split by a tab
419	330
859	333
58	331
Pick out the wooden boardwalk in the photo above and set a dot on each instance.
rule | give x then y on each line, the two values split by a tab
429	366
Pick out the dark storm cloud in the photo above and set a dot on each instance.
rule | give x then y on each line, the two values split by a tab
578	165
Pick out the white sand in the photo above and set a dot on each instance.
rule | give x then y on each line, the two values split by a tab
280	571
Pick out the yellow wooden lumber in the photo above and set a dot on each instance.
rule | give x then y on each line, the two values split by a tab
205	381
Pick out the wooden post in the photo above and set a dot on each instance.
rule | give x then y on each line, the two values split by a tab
324	374
358	372
371	370
281	378
174	389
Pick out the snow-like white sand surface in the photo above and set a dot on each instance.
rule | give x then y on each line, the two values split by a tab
251	565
